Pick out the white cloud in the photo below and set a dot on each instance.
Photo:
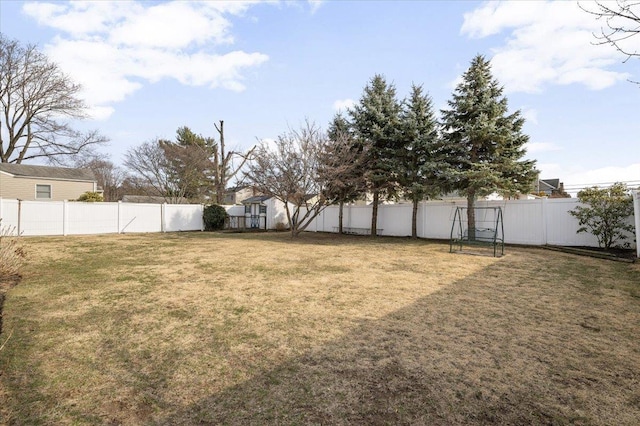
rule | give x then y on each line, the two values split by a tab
530	115
100	113
114	48
315	5
343	104
548	42
533	147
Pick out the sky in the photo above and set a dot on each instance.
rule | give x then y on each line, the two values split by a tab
149	67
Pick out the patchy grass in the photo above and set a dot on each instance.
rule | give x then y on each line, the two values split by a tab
201	328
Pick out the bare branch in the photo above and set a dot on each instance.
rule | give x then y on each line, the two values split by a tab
37	101
621	22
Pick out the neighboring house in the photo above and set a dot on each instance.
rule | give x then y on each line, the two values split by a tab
551	188
238	194
151	199
44	183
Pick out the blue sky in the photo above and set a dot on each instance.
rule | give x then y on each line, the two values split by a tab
148	68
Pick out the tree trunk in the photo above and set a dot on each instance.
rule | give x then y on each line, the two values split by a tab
414	219
340	216
374	214
220	167
471	216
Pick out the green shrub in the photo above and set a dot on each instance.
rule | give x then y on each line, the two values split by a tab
214	217
606	214
91	197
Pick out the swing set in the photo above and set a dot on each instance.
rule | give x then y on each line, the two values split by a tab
487	229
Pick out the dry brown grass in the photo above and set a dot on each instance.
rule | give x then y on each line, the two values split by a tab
251	329
11	254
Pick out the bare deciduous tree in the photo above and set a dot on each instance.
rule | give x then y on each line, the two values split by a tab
226	165
292	171
37	100
109	178
149	164
621	23
171	170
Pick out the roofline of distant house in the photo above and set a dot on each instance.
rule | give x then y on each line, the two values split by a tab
47	178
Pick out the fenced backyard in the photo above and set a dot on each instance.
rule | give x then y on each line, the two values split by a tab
529	222
206	328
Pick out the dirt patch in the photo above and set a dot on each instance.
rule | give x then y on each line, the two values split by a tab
619	254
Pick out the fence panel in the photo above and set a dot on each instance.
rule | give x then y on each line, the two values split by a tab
359	217
330	219
562	227
42	218
395	219
438	218
136	217
9	214
91	218
183	217
523	220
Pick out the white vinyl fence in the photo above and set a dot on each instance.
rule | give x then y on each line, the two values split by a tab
533	222
74	218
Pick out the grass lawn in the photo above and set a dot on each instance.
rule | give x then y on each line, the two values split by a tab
204	328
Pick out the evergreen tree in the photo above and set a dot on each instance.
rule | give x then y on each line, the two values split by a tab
189	163
483	144
376	124
420	177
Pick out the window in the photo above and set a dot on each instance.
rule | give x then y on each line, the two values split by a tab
247	208
43	192
263	209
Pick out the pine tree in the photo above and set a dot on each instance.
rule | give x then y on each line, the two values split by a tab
376	124
483	144
420	166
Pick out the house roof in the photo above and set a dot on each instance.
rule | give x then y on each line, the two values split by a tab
237	188
150	199
256	199
553	183
47	172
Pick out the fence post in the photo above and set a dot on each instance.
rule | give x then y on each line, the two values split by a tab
162	216
162	212
119	231
65	219
543	214
636	215
19	216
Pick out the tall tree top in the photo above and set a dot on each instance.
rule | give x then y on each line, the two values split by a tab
376	116
338	127
483	143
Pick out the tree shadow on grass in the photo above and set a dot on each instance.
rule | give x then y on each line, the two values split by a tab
480	351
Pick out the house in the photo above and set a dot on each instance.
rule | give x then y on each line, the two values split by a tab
238	194
552	188
152	199
44	183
